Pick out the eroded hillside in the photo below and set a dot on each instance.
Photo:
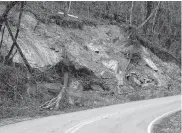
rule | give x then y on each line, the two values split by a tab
105	68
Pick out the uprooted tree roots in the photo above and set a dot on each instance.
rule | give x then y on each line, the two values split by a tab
61	98
54	103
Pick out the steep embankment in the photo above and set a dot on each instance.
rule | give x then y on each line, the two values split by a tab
104	51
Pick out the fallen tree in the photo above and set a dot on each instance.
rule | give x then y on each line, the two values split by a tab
16	35
62	97
4	20
18	47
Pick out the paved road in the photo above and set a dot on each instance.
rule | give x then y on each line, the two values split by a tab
122	118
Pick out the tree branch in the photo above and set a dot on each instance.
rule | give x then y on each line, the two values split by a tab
69	6
2	37
153	24
131	12
149	17
18	47
18	29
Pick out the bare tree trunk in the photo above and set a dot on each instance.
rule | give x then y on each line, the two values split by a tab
108	6
88	10
149	7
62	97
148	17
18	29
143	11
155	16
65	10
63	94
18	48
69	6
131	12
2	37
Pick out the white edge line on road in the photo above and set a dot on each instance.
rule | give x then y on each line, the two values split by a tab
77	127
149	129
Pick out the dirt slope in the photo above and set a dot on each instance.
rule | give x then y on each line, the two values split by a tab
101	49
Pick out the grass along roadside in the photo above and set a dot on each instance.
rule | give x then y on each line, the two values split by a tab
170	124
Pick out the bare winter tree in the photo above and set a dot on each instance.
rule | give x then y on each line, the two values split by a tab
16	35
3	19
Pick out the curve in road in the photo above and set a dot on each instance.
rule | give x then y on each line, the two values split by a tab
131	117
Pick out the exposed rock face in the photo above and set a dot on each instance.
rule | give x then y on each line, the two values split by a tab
92	48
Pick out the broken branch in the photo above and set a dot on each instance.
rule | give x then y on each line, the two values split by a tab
18	29
2	37
153	24
131	12
18	47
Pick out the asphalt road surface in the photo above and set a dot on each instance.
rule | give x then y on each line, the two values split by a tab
131	117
